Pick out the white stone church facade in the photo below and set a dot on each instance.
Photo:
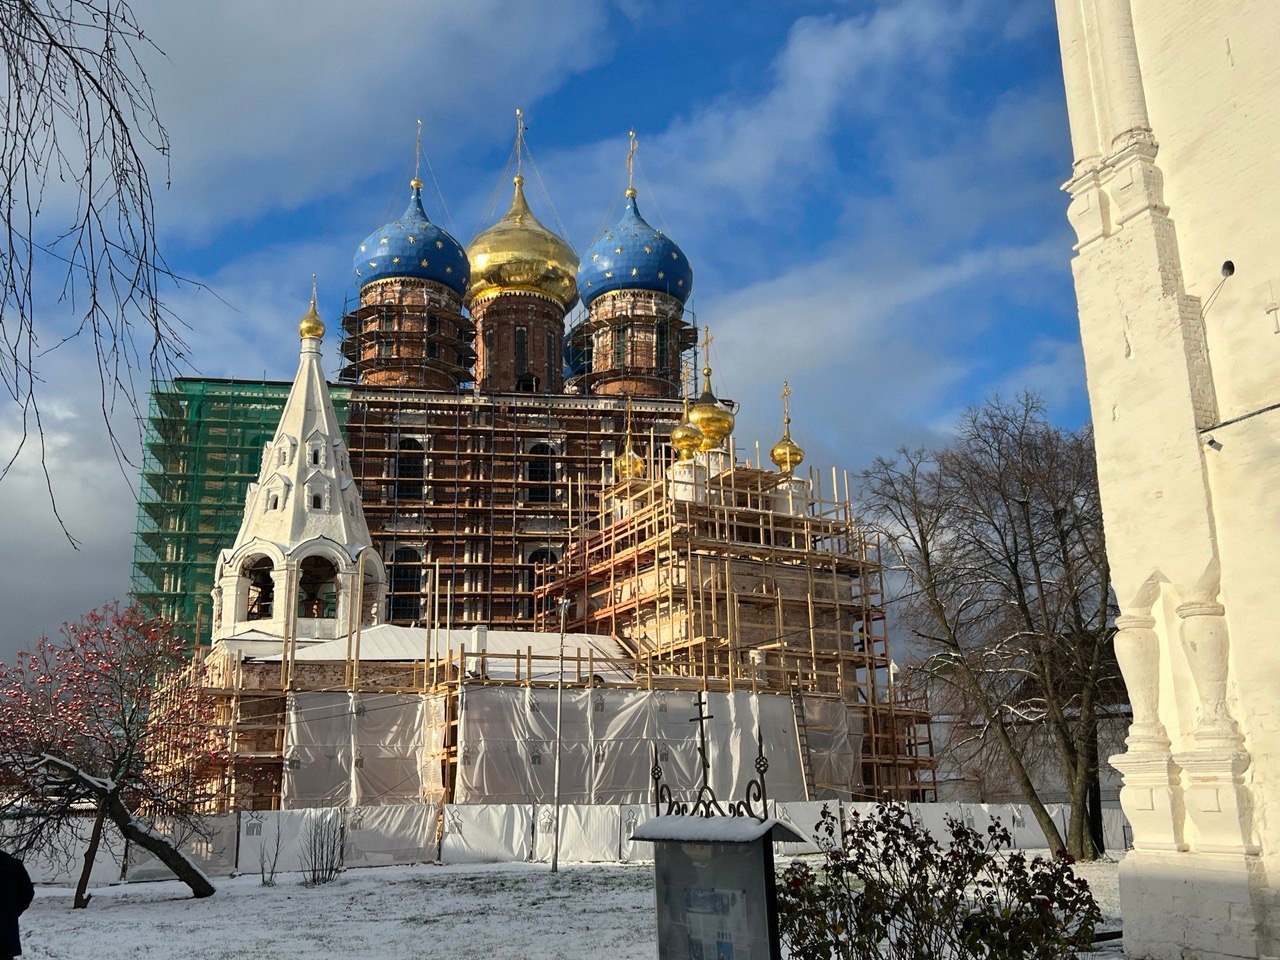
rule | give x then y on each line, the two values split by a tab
1174	108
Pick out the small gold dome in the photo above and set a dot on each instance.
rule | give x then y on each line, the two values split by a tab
786	453
710	416
519	255
628	465
685	437
311	325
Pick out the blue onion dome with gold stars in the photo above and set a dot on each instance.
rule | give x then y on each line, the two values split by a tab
634	256
415	247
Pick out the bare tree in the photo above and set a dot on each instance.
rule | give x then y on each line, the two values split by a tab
80	723
322	851
1000	538
80	128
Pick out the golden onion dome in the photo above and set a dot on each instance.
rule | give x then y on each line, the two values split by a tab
628	465
710	416
311	325
786	453
685	436
519	255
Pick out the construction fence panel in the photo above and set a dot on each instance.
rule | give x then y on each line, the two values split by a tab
384	835
588	833
61	861
487	833
281	837
1116	833
630	816
933	818
209	842
805	816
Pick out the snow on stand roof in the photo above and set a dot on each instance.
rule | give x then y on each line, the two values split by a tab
387	642
689	829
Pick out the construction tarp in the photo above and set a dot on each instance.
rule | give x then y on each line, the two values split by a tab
210	842
834	734
630	816
588	833
805	817
610	738
359	749
281	837
1116	834
487	833
380	836
61	860
933	817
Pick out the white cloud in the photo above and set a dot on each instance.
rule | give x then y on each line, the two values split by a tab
273	105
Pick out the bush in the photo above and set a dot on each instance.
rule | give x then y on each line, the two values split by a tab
886	890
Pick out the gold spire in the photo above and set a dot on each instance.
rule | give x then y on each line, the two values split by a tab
416	182
628	465
519	255
631	167
311	325
708	414
786	453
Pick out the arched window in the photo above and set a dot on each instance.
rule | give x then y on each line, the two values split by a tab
541	473
404	599
317	588
262	587
409	471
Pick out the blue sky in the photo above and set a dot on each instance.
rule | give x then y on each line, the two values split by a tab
867	192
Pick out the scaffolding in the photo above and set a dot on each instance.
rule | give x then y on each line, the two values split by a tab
735	577
202	447
477	482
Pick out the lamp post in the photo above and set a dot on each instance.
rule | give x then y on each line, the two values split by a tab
555	789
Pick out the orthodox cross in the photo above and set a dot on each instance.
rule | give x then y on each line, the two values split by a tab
701	720
786	401
519	138
417	159
313	289
628	440
1273	308
631	164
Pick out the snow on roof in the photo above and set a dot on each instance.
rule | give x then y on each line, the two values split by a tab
388	642
713	829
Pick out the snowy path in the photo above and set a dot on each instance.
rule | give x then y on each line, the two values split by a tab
490	912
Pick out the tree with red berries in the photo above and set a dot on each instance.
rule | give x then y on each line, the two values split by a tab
97	724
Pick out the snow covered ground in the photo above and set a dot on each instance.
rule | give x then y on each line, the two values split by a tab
487	912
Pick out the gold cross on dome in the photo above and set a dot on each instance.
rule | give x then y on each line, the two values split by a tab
707	340
786	400
631	162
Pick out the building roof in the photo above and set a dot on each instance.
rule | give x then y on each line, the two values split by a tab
389	643
634	256
412	246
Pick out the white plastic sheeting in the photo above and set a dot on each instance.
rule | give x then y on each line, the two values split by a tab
487	833
212	846
803	816
588	833
1115	831
507	744
353	749
435	728
630	817
933	817
834	735
261	830
384	835
63	860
